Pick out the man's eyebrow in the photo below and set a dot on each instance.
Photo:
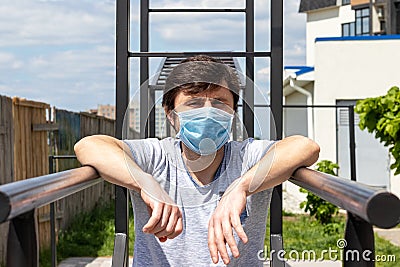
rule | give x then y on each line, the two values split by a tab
220	98
191	97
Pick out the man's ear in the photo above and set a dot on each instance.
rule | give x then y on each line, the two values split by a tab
170	116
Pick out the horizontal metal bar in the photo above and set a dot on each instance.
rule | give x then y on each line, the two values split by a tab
301	106
44	127
376	206
63	157
203	10
19	197
316	106
188	54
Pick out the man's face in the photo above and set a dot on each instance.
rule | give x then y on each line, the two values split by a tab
220	98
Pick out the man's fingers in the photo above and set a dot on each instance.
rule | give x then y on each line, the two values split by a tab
171	223
162	239
155	217
220	241
211	243
162	223
178	227
228	235
235	220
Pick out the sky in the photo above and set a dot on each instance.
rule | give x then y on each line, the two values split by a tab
62	52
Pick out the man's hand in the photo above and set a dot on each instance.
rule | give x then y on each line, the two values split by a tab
165	217
225	217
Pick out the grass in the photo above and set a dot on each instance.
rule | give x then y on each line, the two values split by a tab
92	234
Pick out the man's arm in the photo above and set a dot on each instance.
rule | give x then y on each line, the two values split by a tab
110	157
275	167
114	162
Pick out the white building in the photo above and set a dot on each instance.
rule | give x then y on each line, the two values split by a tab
345	62
160	120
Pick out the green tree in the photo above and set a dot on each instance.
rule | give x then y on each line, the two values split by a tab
322	210
381	115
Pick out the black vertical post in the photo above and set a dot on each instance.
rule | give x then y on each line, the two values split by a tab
248	94
359	233
144	71
352	144
52	222
360	247
22	243
276	77
122	101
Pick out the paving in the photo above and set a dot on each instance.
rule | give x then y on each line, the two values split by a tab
392	235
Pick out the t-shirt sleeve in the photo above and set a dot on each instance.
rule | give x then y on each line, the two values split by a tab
254	151
146	153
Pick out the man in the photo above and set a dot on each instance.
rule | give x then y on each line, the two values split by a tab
199	199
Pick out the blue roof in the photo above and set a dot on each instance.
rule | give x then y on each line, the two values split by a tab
301	69
359	38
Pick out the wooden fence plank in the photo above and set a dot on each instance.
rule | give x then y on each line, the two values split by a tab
6	161
44	127
32	151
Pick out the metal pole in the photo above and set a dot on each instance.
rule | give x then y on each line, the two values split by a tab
52	221
276	78
122	101
359	233
22	243
144	71
360	243
352	144
248	94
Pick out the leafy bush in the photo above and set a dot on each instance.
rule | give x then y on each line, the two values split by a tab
381	115
322	210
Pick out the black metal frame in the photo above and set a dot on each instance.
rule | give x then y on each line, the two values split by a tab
147	98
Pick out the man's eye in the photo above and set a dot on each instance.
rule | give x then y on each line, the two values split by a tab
217	103
194	104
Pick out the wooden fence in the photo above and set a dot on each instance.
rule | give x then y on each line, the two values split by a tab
25	144
6	160
31	151
72	127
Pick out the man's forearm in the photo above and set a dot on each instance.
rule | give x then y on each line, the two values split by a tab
112	159
279	163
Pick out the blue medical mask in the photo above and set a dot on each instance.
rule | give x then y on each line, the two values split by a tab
204	130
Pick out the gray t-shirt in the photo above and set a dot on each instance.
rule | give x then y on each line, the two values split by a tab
164	161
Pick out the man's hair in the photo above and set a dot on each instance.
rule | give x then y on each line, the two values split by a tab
198	74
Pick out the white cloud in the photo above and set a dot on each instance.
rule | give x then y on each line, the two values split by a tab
264	71
54	22
8	60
